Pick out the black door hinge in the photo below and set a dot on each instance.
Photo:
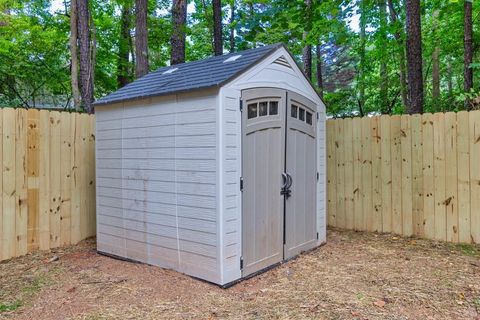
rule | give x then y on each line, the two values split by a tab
317	235
241	184
241	263
318	176
318	116
241	105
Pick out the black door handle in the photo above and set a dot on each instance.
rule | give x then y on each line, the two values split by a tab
286	185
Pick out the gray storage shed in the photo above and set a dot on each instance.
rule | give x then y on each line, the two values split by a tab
214	168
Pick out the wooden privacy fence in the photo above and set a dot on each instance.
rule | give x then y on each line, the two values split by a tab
410	175
47	181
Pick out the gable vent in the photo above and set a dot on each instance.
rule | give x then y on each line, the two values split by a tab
283	62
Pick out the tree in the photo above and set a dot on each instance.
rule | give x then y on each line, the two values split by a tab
362	63
385	105
232	26
319	71
86	72
123	69
401	52
435	61
74	55
307	49
414	57
468	49
217	27
141	38
179	20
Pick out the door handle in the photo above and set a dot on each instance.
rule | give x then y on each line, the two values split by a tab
290	181
287	183
285	180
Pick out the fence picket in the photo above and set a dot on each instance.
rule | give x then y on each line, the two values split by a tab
475	176
357	174
9	231
463	165
386	174
439	176
451	197
377	219
348	154
417	175
406	159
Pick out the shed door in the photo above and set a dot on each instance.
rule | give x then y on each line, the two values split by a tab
300	205
263	162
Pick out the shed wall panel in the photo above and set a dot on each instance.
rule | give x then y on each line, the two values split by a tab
156	182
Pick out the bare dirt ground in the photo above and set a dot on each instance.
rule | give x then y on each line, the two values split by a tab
354	276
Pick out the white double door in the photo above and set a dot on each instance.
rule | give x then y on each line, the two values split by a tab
279	177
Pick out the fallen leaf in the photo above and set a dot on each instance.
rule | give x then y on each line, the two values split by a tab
380	303
72	289
355	313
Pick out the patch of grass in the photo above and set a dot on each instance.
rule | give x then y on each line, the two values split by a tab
476	302
468	249
10	306
36	284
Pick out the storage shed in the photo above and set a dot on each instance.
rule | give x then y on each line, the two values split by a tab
214	168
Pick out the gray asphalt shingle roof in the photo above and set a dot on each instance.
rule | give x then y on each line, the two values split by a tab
210	72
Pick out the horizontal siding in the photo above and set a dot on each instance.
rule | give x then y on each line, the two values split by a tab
156	183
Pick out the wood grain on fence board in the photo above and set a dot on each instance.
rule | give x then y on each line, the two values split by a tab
410	175
38	198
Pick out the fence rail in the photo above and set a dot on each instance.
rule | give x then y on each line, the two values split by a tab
410	175
47	181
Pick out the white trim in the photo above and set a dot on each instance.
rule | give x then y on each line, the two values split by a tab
244	81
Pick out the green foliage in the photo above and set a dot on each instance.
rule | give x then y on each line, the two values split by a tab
35	56
10	306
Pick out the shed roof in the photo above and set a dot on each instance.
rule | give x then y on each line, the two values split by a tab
207	73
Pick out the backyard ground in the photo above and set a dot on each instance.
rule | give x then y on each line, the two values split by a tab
354	276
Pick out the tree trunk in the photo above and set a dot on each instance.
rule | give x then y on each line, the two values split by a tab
74	55
450	78
217	27
414	57
361	76
385	107
307	49
86	77
435	62
319	71
232	28
401	55
141	38
179	20
468	50
93	50
123	74
436	75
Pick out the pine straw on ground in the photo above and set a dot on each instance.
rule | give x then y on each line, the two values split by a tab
354	276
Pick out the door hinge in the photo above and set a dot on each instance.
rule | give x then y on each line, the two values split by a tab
241	184
241	263
318	116
241	105
317	235
318	176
